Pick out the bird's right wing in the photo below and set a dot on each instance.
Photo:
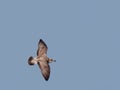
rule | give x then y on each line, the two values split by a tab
45	69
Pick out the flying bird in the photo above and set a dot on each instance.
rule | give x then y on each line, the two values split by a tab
42	60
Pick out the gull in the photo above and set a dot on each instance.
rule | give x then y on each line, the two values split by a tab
42	60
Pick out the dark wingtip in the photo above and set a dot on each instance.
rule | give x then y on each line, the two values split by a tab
46	79
29	60
41	41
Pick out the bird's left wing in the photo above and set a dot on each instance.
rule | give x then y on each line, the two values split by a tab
42	48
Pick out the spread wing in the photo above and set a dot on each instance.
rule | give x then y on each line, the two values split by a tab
42	48
45	69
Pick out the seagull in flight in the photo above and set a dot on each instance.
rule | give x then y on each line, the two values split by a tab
42	60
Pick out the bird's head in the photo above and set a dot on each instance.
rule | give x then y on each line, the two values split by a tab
30	60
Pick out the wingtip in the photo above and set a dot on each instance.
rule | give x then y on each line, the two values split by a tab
41	41
46	78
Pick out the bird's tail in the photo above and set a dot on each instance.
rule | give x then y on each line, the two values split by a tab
51	60
54	60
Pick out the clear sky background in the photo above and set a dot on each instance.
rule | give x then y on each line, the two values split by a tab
82	35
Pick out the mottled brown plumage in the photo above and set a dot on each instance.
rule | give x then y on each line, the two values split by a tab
42	60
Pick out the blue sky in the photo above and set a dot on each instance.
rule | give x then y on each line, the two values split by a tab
82	35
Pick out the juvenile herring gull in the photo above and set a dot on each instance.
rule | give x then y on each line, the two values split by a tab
42	60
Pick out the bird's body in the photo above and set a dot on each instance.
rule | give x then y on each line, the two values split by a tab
42	60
